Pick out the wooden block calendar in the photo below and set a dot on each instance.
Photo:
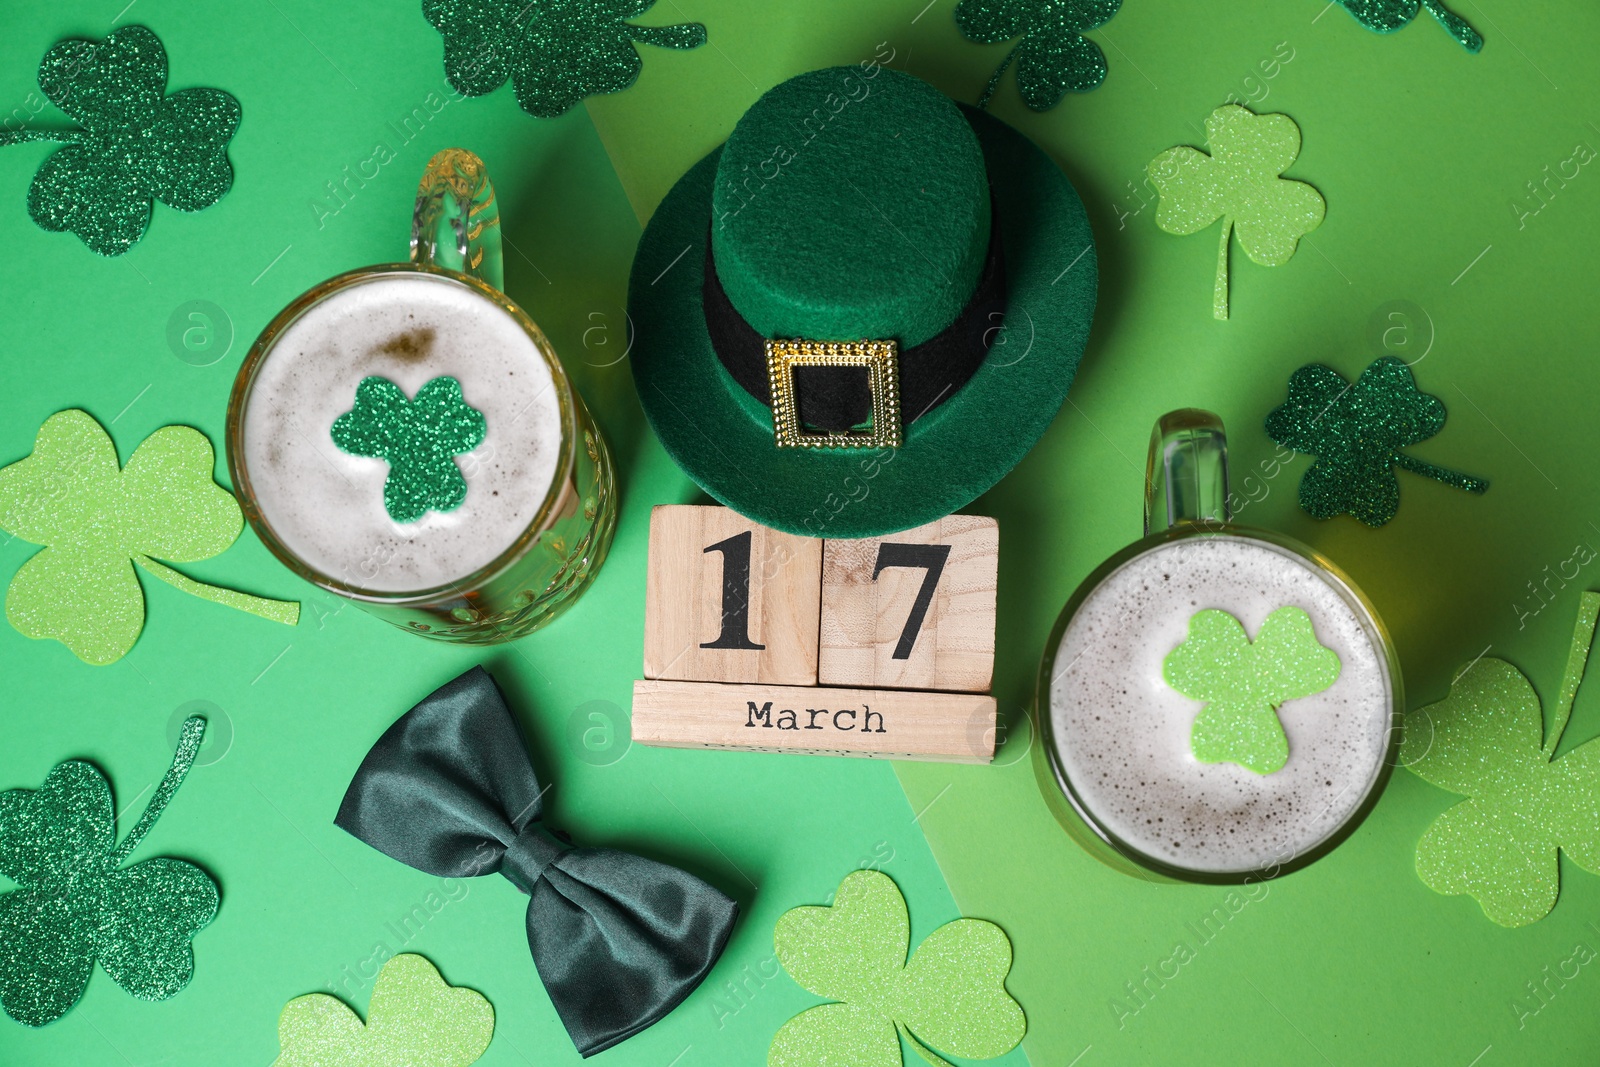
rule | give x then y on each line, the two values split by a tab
742	622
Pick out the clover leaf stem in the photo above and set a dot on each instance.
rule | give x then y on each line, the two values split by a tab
994	79
1455	25
26	134
1219	295
1440	474
922	1050
286	612
1572	675
194	729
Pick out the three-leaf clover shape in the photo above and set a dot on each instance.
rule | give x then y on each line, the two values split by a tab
76	903
419	439
97	521
1481	741
415	1019
1386	16
1053	57
556	52
1243	683
135	144
1240	183
949	995
1356	432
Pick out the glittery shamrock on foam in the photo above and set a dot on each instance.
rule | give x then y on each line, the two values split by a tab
949	995
419	438
1386	16
556	52
1238	183
415	1019
1053	57
1481	741
136	143
97	522
76	903
1356	432
1244	683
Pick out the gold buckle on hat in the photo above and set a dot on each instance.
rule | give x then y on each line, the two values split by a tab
880	358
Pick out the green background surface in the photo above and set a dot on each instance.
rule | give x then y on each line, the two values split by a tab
1420	150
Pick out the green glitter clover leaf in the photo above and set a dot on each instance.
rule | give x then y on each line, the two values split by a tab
1244	683
1239	183
416	1019
556	52
1053	57
75	902
1356	432
1386	16
418	438
1523	807
96	522
949	995
135	144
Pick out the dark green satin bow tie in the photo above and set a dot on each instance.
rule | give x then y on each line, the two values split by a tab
619	940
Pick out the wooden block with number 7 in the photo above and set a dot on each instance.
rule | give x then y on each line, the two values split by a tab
729	600
912	610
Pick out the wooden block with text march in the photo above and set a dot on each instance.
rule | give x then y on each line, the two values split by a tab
913	610
889	723
729	600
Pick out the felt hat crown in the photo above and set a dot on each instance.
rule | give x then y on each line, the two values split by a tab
865	266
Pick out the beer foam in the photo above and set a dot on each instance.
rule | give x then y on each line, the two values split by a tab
1123	733
325	505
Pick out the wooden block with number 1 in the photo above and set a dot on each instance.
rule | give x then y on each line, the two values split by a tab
730	600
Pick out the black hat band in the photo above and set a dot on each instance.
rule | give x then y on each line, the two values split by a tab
839	399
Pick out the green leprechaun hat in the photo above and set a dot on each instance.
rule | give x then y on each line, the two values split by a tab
864	309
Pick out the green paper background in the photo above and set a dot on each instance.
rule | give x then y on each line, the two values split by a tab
1419	149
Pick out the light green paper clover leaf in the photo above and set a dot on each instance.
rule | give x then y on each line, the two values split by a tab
97	521
949	995
1240	183
75	902
416	1019
1243	683
1500	846
135	143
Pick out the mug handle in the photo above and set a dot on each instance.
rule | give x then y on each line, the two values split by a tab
456	225
1186	476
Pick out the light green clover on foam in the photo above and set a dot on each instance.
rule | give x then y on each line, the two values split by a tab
1243	684
415	1019
949	995
97	521
1524	807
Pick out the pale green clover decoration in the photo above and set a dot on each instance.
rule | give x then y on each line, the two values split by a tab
76	903
1053	57
1523	806
97	522
949	995
1239	183
415	1019
1243	683
556	52
419	439
135	142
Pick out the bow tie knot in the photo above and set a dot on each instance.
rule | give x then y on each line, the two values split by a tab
526	857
